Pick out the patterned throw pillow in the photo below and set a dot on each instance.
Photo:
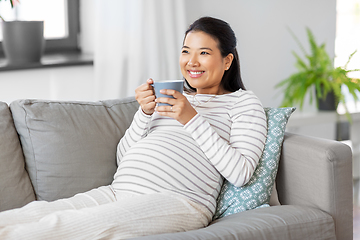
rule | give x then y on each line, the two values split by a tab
256	193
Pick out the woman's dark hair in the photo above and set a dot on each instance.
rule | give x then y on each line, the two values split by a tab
222	32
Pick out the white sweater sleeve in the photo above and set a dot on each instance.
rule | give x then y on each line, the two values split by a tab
136	131
237	159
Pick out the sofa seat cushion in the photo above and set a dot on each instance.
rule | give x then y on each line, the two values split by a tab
286	222
15	186
70	147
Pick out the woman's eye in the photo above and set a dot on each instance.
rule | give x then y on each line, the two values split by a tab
184	51
204	53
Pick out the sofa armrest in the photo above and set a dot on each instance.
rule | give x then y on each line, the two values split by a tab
317	173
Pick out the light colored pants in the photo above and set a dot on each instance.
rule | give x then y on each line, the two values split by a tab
99	214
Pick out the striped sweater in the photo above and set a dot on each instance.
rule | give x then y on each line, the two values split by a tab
225	139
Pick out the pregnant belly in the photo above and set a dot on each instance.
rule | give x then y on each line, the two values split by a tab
164	162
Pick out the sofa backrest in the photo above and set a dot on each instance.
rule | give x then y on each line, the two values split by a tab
70	147
15	185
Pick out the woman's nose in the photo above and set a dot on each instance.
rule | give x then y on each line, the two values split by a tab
193	62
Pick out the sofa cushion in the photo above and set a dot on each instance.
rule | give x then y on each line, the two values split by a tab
15	185
70	147
257	192
271	223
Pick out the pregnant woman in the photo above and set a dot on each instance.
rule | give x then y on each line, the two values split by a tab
172	160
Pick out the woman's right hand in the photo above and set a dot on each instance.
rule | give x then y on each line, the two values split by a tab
145	96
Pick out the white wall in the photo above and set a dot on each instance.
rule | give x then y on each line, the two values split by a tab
62	83
264	46
264	43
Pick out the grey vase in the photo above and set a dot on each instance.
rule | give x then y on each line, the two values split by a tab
23	41
330	103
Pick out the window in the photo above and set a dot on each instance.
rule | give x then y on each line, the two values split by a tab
346	42
61	21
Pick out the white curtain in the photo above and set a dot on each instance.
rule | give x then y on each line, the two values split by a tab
136	40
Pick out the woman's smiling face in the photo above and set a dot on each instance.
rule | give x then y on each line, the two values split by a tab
202	64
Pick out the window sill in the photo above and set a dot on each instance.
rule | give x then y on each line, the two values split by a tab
51	60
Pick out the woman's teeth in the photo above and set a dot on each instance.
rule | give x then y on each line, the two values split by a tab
195	73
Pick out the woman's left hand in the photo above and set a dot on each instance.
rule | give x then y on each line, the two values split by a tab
181	109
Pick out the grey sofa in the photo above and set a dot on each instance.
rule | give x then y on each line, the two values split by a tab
54	149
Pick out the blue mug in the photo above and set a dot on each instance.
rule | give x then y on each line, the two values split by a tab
177	85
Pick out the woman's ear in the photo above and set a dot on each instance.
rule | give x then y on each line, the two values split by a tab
228	60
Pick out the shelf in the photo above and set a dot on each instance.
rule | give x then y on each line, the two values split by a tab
51	61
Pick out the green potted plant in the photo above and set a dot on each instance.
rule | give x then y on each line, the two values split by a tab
317	76
23	41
